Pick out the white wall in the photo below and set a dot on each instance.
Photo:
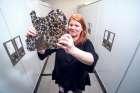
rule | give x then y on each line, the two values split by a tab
15	18
122	18
10	76
131	83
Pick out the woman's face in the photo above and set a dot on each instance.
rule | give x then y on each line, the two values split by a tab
75	29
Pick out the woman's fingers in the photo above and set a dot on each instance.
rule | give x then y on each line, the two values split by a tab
61	46
65	37
31	31
65	42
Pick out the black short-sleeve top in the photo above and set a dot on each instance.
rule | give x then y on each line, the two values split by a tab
69	72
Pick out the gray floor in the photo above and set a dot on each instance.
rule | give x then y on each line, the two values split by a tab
48	86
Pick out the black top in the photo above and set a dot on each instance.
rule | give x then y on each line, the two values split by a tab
69	72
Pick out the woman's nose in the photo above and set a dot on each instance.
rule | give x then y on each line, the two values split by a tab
72	27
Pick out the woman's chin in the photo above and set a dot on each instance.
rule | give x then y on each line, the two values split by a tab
73	34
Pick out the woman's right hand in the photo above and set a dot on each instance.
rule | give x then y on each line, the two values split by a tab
31	32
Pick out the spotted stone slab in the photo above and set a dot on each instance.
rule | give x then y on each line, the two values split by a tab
49	29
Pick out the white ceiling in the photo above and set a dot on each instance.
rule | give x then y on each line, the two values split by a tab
68	6
80	1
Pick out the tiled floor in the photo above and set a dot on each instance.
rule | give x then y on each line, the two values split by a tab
48	86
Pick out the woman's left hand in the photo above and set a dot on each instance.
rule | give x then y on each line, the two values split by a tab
66	42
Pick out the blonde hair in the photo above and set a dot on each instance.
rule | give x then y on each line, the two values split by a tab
83	35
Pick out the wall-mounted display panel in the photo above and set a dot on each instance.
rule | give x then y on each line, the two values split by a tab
14	49
89	27
108	39
11	51
19	47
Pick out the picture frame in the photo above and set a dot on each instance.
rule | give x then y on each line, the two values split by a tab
89	27
14	49
108	39
19	46
11	51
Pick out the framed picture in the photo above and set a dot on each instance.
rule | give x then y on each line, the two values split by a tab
11	51
108	39
14	49
19	46
89	28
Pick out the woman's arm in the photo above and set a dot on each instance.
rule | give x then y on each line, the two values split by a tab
82	56
66	42
46	53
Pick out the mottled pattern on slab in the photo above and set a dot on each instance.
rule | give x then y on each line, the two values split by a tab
49	29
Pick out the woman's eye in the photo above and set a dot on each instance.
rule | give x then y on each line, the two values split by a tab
77	25
71	25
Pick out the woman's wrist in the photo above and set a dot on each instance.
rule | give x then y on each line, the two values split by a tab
41	51
72	50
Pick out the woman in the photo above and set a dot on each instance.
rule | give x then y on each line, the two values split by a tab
75	57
